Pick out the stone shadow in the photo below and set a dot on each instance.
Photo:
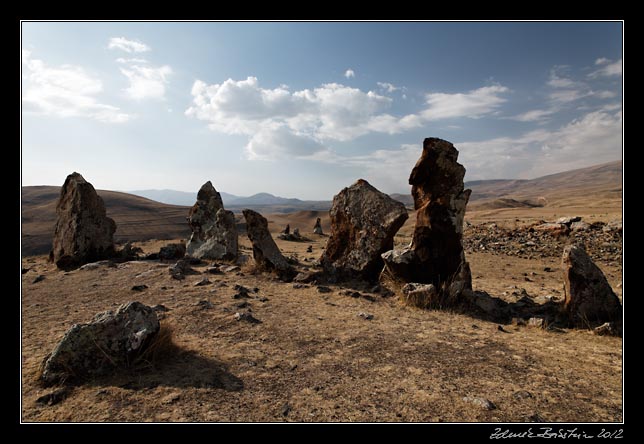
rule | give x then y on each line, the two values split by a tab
181	369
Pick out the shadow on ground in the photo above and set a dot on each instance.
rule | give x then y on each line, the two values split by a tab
184	369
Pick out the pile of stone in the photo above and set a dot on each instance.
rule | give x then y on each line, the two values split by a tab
602	241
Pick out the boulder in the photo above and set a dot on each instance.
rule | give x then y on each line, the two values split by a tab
589	298
363	224
317	228
83	233
109	341
214	233
265	252
172	251
435	255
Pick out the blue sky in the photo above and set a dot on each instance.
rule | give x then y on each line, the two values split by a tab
305	109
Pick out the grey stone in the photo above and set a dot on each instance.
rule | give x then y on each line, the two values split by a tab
109	340
214	233
83	233
265	252
364	222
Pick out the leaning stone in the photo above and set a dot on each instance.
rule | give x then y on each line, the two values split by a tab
265	252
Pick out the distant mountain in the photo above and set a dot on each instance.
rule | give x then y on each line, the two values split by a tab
601	182
170	197
406	199
258	202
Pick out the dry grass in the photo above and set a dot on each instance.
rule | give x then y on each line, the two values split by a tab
313	352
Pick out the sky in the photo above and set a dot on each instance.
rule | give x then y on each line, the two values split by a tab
304	109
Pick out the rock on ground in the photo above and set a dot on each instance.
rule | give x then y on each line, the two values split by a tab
214	233
265	252
589	298
110	340
435	255
364	222
172	251
83	233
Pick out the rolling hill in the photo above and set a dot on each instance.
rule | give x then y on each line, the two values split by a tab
138	218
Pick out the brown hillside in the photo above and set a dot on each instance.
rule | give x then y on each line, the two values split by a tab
136	218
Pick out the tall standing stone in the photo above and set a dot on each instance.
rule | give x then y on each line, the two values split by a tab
364	222
83	232
435	255
589	298
265	252
214	233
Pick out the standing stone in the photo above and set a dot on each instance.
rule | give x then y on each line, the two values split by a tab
435	255
83	232
265	251
214	234
286	230
363	224
108	341
589	298
317	228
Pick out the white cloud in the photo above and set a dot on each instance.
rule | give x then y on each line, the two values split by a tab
560	82
127	45
535	115
594	138
388	87
602	61
64	91
329	112
566	95
130	60
349	73
146	82
280	142
326	113
608	69
473	104
604	94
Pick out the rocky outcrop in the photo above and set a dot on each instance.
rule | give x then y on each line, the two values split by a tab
109	341
265	252
214	234
317	228
363	224
589	298
83	232
435	255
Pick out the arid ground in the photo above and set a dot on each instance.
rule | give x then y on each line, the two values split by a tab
314	358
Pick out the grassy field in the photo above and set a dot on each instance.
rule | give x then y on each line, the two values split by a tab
313	358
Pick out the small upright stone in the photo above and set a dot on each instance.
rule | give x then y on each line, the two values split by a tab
589	298
83	232
317	228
